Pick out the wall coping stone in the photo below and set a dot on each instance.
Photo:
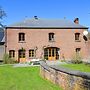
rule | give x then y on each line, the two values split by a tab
44	65
84	75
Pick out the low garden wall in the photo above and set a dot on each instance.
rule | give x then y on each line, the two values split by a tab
65	78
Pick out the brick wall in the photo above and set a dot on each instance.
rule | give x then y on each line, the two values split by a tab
64	39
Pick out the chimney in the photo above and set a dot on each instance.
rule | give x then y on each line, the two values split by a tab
76	21
36	17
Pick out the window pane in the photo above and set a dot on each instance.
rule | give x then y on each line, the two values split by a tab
53	52
46	54
31	53
49	52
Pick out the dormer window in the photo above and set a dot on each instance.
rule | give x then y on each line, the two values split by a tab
77	36
21	36
51	36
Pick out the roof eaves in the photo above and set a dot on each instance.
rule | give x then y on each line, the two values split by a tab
3	40
18	27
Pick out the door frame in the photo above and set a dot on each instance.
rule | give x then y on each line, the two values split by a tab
51	53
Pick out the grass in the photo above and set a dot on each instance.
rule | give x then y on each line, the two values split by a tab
24	78
80	67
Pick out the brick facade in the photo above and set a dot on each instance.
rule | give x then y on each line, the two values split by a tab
38	39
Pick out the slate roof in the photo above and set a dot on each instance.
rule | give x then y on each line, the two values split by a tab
46	23
2	38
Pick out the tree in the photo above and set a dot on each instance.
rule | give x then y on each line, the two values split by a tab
2	13
89	35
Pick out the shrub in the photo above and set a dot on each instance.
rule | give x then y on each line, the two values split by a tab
7	59
62	60
87	63
12	60
76	59
46	57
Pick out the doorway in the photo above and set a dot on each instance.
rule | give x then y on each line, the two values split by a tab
51	53
21	55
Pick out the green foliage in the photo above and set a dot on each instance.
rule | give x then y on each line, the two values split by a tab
46	57
7	59
30	63
89	35
87	63
12	60
76	59
25	78
62	60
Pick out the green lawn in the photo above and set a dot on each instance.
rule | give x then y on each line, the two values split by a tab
24	78
80	67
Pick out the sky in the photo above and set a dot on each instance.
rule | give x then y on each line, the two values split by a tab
18	10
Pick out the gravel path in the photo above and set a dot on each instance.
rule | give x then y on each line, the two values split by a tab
55	62
23	65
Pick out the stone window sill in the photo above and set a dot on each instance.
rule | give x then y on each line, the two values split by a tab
77	40
21	42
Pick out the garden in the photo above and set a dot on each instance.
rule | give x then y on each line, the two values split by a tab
23	78
77	64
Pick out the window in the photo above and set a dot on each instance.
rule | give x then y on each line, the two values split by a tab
46	54
77	36
78	50
21	53
11	53
31	53
21	36
51	36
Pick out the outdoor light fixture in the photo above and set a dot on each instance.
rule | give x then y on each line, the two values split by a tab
85	33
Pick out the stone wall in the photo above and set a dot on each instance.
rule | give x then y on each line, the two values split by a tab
65	78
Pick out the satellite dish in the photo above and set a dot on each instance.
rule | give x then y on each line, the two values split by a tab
85	33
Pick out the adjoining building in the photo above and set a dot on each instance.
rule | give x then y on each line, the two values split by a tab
2	42
48	39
